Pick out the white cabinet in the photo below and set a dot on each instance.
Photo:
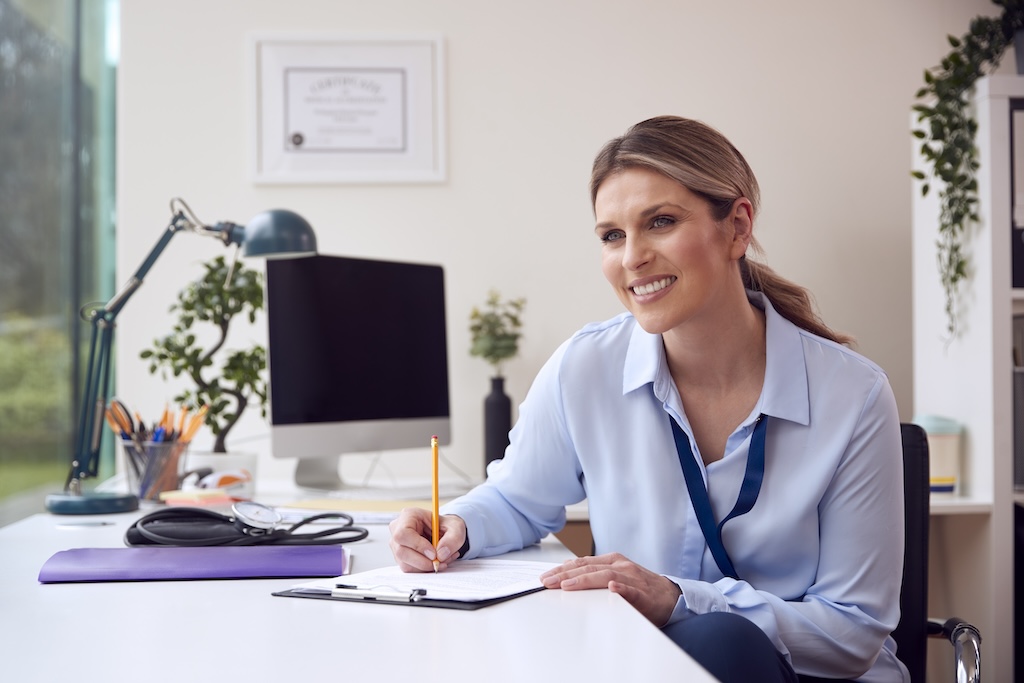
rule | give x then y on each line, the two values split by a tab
969	379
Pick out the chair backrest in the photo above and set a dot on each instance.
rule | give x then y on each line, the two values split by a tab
911	634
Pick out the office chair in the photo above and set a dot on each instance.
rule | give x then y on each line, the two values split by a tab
915	627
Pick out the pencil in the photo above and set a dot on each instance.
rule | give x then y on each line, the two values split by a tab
181	419
436	519
194	423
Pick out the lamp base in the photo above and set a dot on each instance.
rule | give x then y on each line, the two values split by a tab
92	503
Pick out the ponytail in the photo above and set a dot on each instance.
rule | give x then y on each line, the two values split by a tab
789	299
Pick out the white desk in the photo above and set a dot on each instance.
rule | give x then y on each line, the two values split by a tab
223	631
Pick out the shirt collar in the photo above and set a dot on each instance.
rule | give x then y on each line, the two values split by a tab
785	391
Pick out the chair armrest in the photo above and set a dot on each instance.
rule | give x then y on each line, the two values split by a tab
966	640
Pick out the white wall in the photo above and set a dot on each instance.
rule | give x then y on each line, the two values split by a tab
817	95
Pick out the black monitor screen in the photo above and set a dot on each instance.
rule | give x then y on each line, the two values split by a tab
355	339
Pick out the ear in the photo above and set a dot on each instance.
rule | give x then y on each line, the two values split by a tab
741	220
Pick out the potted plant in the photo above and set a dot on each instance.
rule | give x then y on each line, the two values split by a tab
947	131
226	381
495	333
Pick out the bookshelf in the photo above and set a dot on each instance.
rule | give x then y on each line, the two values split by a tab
970	379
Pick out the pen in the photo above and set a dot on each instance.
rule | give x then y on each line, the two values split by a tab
435	519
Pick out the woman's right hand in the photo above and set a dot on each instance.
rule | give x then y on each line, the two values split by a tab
411	540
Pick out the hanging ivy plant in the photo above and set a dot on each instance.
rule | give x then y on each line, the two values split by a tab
947	133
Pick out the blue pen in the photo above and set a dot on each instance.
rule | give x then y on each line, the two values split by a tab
158	435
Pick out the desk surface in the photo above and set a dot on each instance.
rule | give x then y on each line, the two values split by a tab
236	631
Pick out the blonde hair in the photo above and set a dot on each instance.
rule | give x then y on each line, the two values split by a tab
703	161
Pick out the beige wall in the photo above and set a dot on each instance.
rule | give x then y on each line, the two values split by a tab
816	94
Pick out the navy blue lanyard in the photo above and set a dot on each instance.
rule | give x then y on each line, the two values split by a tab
749	489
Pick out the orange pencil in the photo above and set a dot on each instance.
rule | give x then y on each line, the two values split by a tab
436	519
181	419
194	423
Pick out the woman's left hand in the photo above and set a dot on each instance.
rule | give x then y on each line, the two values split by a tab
651	594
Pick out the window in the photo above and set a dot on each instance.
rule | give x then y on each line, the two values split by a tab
57	73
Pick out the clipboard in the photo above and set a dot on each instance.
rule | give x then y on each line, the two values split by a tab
465	585
391	598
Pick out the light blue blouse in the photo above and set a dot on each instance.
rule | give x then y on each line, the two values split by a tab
819	556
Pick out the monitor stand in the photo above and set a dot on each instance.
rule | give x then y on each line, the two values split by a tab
322	475
319	473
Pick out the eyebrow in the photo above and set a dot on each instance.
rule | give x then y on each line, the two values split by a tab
646	213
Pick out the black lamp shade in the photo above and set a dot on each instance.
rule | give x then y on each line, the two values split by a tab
279	234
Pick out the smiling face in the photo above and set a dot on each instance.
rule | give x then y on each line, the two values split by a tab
667	258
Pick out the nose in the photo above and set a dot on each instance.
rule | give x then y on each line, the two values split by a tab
636	254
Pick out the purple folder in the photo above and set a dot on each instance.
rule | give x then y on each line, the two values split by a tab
211	562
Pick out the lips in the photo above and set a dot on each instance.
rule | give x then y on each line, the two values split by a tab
652	287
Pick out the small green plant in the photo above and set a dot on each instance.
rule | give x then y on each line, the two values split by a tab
495	330
947	134
230	387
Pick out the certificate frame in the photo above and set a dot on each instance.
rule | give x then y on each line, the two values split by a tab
347	108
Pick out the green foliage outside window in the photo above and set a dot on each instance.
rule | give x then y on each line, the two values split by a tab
33	404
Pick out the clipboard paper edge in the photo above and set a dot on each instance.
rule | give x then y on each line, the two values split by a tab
424	602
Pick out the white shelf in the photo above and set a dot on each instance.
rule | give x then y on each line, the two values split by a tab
960	506
970	380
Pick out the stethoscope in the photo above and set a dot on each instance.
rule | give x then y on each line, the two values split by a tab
250	524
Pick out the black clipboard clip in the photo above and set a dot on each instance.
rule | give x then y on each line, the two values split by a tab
342	590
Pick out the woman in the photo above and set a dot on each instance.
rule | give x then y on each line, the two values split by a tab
719	373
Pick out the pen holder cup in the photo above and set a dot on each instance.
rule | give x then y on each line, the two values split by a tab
153	467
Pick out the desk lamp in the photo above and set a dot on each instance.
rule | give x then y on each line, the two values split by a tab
273	234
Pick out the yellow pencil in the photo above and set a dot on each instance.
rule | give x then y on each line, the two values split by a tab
194	423
181	419
436	519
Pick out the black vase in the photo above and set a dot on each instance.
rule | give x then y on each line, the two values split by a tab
497	421
1018	48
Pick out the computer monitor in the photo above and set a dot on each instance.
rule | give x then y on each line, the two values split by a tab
358	360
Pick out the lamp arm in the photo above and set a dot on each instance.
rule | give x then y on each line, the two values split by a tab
178	223
97	381
85	463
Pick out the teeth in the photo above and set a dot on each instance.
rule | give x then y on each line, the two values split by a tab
653	287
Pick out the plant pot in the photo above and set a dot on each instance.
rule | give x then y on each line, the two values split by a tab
497	421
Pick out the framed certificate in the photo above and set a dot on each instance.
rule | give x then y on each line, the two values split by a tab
348	109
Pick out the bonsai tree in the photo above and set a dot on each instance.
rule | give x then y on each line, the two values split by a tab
947	133
226	382
495	330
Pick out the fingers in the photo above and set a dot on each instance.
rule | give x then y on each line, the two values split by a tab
453	535
653	595
585	572
411	540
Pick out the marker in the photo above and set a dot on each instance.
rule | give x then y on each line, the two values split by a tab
436	519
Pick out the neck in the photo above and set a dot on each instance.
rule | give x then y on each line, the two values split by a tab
722	355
